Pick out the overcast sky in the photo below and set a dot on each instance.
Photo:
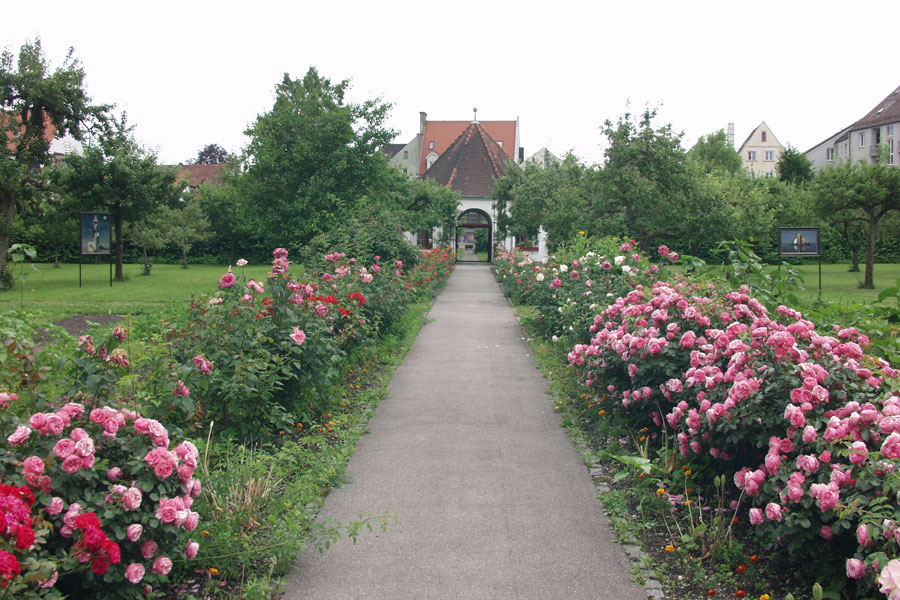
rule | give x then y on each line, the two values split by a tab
193	73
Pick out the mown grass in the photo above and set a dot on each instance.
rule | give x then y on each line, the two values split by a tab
841	286
55	293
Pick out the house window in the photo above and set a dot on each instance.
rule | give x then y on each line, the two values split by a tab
431	145
890	131
500	143
829	154
770	174
763	135
862	139
405	154
751	155
890	145
770	155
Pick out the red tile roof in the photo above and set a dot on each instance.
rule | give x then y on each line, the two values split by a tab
471	163
443	133
194	175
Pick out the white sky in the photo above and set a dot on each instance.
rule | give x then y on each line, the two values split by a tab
192	73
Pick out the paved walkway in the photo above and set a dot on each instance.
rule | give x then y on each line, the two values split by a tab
492	498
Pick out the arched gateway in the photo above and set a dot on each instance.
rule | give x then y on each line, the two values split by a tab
474	233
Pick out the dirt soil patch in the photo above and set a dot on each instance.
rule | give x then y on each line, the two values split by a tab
79	324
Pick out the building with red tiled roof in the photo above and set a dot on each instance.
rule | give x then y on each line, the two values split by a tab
471	163
439	135
195	175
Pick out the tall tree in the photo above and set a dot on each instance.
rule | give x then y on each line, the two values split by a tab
870	189
212	154
646	177
36	104
183	226
713	153
118	175
559	198
226	209
793	166
313	159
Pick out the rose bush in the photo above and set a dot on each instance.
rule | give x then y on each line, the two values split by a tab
93	495
805	423
257	357
804	420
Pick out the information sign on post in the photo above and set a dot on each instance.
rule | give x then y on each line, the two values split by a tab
95	238
800	242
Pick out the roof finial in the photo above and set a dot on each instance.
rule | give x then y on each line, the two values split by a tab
475	116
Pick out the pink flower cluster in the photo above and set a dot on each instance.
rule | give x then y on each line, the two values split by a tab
741	378
203	364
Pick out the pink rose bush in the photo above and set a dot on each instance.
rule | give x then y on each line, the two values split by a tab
82	496
806	422
265	356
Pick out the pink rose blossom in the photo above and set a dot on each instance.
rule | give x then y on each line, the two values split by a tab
773	511
56	506
192	548
72	464
134	573
856	569
148	549
227	280
162	565
756	516
133	533
131	499
20	436
889	580
299	336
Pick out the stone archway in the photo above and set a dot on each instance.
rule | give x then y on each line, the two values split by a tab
473	220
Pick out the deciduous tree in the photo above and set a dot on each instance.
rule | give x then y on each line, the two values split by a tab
793	166
313	159
212	154
36	104
870	189
116	174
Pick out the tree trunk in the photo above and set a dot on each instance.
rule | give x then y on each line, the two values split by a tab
146	267
56	257
854	261
184	259
9	213
869	282
120	245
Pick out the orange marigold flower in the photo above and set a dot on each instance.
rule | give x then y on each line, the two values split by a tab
741	594
670	548
741	568
765	597
754	558
711	593
213	571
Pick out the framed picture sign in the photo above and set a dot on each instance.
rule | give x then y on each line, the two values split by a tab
799	241
95	233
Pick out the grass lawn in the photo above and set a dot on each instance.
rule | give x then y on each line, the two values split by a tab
55	292
840	286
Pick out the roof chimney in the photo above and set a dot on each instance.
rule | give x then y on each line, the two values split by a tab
475	115
731	135
422	118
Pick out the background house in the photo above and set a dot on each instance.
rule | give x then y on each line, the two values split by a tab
761	151
865	139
